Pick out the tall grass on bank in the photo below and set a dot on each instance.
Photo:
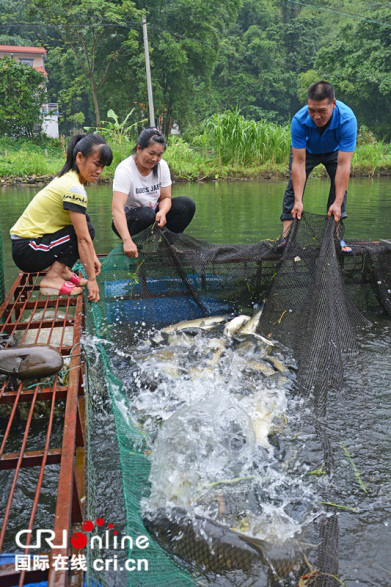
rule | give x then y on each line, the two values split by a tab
232	139
372	158
229	147
21	158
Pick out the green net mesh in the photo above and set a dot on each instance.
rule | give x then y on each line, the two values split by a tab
132	455
316	299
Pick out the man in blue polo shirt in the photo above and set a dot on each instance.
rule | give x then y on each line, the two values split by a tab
325	132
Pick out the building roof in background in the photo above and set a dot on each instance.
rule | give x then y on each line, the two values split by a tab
19	49
41	70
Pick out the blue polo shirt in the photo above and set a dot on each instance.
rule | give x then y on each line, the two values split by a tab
340	135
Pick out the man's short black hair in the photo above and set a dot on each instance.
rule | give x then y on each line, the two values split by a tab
320	91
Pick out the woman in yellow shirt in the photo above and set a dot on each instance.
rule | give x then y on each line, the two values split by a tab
54	231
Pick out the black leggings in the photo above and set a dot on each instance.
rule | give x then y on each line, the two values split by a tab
178	218
35	254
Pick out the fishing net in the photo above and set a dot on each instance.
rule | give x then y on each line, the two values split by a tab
316	299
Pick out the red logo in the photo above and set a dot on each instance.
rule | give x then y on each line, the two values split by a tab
79	539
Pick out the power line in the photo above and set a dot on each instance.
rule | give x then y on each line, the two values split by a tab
76	25
350	14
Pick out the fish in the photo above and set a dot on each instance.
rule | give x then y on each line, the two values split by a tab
166	352
204	323
217	345
262	423
215	548
252	324
30	361
277	364
235	324
262	367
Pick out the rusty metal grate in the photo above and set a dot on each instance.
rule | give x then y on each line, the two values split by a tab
32	319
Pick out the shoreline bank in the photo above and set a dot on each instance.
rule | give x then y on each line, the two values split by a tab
237	175
24	162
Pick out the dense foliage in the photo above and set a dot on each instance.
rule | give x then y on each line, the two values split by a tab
207	56
22	93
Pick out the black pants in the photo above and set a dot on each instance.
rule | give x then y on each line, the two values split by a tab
35	254
178	218
330	161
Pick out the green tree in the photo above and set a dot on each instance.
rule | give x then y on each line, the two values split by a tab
251	72
305	79
184	36
95	31
68	86
22	93
358	63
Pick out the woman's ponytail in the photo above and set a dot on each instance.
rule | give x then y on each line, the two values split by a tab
71	157
85	144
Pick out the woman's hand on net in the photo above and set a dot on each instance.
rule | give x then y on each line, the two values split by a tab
93	290
130	248
161	219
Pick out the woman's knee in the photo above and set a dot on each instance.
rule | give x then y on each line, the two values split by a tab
144	215
184	204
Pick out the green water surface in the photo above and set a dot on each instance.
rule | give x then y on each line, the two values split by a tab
227	212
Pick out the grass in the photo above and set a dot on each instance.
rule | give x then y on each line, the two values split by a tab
234	140
227	147
23	158
354	467
372	159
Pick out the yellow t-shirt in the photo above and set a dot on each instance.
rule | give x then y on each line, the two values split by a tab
48	211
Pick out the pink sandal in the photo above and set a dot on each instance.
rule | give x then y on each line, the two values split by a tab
67	289
76	280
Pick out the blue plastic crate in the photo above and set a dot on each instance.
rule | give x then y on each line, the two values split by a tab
160	311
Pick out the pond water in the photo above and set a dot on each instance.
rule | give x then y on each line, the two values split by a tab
227	212
244	212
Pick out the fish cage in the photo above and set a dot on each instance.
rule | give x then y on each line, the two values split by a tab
316	300
42	438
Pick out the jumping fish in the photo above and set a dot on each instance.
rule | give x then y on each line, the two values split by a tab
30	361
235	324
204	323
252	324
216	548
164	353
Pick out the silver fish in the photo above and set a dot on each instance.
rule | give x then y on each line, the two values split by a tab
30	361
204	323
235	324
252	324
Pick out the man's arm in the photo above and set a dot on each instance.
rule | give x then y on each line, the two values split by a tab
86	252
164	205
119	218
298	180
341	183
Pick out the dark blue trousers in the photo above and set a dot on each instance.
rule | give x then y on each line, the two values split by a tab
330	161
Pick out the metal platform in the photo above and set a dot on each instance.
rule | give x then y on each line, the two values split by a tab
32	318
